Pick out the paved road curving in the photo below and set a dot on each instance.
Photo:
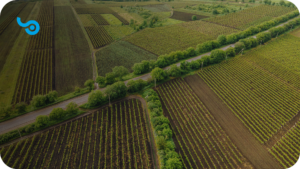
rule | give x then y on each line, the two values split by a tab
30	117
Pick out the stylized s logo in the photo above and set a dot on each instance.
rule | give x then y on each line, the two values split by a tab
33	24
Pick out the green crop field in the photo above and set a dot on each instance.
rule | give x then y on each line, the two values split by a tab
120	54
251	16
163	40
118	32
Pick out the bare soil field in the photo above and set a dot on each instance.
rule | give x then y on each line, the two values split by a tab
186	16
73	64
240	135
115	136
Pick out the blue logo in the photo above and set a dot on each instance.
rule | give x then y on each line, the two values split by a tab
34	26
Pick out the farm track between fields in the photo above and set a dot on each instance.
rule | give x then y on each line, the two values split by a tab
28	118
250	147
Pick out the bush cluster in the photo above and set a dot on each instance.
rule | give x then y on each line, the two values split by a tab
43	100
163	133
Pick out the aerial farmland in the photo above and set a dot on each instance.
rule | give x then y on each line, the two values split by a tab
154	84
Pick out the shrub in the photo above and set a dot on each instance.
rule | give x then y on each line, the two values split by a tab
174	71
38	101
51	97
263	37
120	71
72	108
173	163
194	17
247	43
239	46
194	65
230	39
57	114
21	107
222	39
158	74
96	98
217	55
116	90
230	52
100	80
190	52
110	78
41	121
30	127
136	85
204	47
89	84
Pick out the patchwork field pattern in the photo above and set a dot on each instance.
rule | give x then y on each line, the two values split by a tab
99	19
36	74
287	149
120	53
163	40
118	32
103	10
87	20
113	137
186	16
251	16
98	36
200	140
280	58
111	19
72	52
260	100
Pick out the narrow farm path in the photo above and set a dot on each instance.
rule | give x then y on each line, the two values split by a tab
254	151
30	117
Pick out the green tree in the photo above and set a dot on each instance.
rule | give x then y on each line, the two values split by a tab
158	74
38	101
116	90
231	39
136	85
185	66
222	39
100	80
51	96
239	46
72	108
89	84
173	163
96	98
167	132
120	71
21	107
41	121
217	55
215	12
138	68
230	52
6	111
110	78
57	114
161	143
194	17
174	71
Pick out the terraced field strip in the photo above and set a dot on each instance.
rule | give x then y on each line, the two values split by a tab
98	36
200	140
113	137
36	74
99	19
12	17
261	101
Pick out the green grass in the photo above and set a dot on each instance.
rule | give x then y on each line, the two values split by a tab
111	19
118	32
120	54
194	12
169	21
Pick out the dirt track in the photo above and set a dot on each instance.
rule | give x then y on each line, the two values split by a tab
255	152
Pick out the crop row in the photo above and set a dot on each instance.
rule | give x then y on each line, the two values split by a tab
35	75
98	36
261	101
287	149
99	20
43	40
11	17
114	137
201	141
94	10
45	17
124	21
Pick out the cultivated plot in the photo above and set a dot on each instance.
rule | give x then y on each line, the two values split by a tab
120	53
186	16
260	100
113	137
200	140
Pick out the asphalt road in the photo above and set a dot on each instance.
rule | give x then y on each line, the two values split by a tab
30	117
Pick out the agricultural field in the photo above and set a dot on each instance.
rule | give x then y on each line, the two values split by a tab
36	73
251	16
113	137
100	20
261	101
186	16
98	36
120	53
280	58
118	32
87	20
103	10
73	62
157	8
200	140
296	33
287	149
163	40
111	19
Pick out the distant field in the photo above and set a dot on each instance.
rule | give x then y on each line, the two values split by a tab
157	8
87	20
163	40
186	16
259	99
251	16
296	32
73	64
134	16
281	58
120	53
101	20
194	12
118	32
111	19
116	136
99	36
